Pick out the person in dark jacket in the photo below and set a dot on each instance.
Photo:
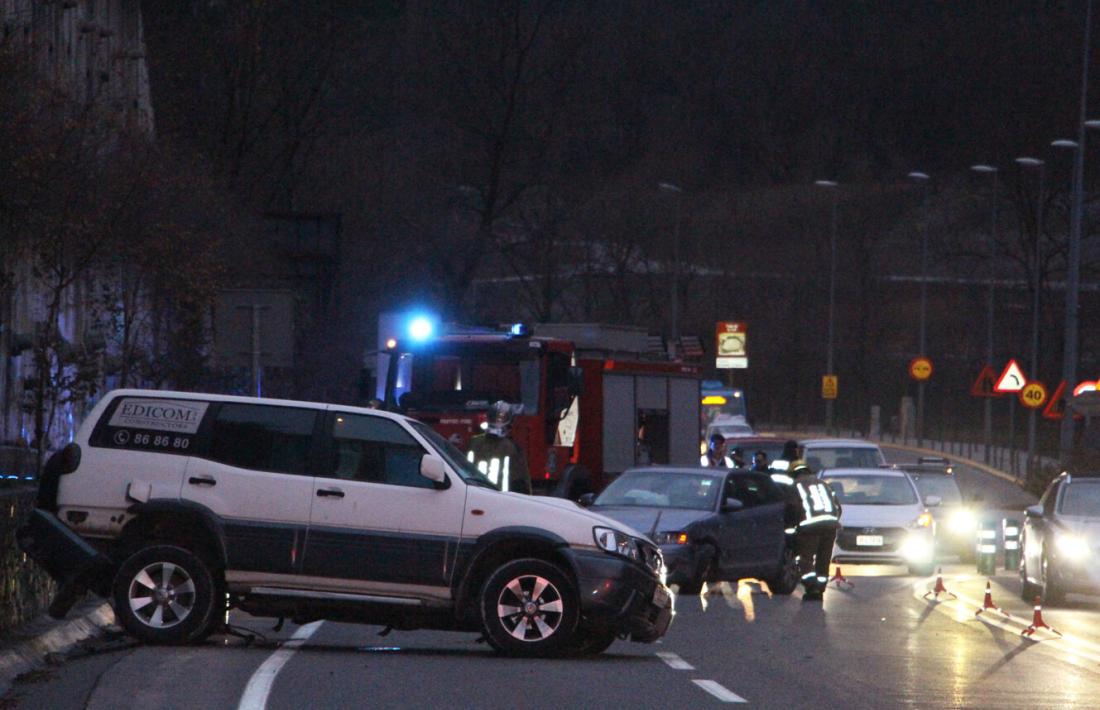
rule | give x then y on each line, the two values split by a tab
496	455
817	510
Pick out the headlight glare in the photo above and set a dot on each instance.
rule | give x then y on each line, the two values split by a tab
963	521
1072	546
916	548
617	543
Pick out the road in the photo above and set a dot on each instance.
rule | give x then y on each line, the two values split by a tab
877	644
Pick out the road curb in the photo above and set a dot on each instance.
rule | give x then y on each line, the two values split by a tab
33	645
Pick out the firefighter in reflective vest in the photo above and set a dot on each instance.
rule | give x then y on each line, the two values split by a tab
497	456
817	510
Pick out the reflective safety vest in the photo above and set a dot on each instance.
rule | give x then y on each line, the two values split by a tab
501	461
819	503
704	460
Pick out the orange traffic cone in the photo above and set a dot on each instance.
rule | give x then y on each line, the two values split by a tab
939	589
1037	621
839	579
988	604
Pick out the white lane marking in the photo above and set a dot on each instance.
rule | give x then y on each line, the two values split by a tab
260	684
675	662
719	691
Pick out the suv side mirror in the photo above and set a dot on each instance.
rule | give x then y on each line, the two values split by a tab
933	501
1034	511
586	500
433	469
730	505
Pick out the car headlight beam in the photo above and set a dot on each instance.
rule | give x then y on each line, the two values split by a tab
1072	546
963	521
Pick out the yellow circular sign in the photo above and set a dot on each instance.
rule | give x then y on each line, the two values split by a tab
920	368
1033	395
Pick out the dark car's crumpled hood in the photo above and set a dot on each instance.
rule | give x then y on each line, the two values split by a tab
642	519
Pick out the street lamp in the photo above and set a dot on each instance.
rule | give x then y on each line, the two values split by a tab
987	428
831	185
1073	254
1035	301
923	179
674	315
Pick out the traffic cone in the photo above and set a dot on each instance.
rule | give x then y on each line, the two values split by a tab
939	589
1037	621
988	604
839	579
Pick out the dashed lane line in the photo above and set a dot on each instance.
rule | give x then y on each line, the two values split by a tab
259	685
719	691
675	662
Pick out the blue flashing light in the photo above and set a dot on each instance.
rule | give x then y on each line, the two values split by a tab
421	328
518	330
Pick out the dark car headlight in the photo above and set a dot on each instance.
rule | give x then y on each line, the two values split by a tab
617	543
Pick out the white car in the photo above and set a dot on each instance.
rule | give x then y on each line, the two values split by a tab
883	519
822	454
170	503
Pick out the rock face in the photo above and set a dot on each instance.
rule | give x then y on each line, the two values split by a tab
25	590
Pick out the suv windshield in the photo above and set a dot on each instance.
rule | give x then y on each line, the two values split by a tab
821	457
453	456
1081	499
929	484
662	489
873	490
467	381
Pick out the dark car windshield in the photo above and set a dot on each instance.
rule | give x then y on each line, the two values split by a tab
1081	499
453	456
944	487
873	490
662	489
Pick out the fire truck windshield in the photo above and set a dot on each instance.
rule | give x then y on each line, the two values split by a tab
471	381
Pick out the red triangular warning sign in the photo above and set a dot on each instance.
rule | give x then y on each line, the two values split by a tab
983	386
1012	379
1056	407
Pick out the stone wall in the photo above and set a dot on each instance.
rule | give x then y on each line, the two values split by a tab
25	589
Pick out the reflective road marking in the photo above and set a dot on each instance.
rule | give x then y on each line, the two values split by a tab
719	691
675	662
259	685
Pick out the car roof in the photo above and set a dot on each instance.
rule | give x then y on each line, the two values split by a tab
890	472
855	443
211	397
686	470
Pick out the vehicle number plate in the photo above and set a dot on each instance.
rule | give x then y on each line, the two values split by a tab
661	596
869	540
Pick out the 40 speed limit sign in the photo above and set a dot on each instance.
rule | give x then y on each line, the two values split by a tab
1033	395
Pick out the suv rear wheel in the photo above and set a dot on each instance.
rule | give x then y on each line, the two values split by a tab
165	594
529	607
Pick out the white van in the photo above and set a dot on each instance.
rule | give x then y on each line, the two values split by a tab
167	503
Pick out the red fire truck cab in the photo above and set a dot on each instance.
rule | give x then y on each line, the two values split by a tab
595	400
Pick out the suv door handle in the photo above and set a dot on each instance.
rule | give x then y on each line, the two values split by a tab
330	493
202	481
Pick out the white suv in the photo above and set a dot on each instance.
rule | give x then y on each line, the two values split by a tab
169	503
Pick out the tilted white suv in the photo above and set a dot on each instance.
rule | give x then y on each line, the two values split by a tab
167	502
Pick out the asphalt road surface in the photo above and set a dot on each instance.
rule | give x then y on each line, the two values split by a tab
876	644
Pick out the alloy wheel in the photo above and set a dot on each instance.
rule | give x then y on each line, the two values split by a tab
162	595
530	608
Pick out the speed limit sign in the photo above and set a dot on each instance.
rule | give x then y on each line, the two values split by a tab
1033	395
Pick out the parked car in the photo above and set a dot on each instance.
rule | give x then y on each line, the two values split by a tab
884	520
1061	540
167	503
711	524
955	521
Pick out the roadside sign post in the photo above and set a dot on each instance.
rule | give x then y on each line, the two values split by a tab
1011	381
920	369
731	345
1056	407
830	387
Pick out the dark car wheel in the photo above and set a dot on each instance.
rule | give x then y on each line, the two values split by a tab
164	594
530	608
1052	591
708	558
786	580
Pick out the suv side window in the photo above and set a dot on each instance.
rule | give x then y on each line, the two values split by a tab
263	438
374	450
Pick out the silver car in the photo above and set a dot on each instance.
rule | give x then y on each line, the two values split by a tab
1061	540
884	520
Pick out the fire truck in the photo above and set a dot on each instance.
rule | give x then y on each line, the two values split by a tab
593	400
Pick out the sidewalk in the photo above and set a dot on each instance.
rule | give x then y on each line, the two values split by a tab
38	643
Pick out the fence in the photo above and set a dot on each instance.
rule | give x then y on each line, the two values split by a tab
25	590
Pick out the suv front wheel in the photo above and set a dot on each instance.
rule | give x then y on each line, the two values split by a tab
164	594
529	607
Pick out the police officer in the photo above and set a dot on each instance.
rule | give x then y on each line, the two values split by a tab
817	510
496	455
716	453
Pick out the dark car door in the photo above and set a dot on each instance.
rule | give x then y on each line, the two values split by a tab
752	537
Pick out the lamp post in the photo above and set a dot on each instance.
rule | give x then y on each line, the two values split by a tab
1073	254
831	185
1035	301
987	424
923	179
674	315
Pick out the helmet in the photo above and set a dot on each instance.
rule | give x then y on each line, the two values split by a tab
499	418
799	468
